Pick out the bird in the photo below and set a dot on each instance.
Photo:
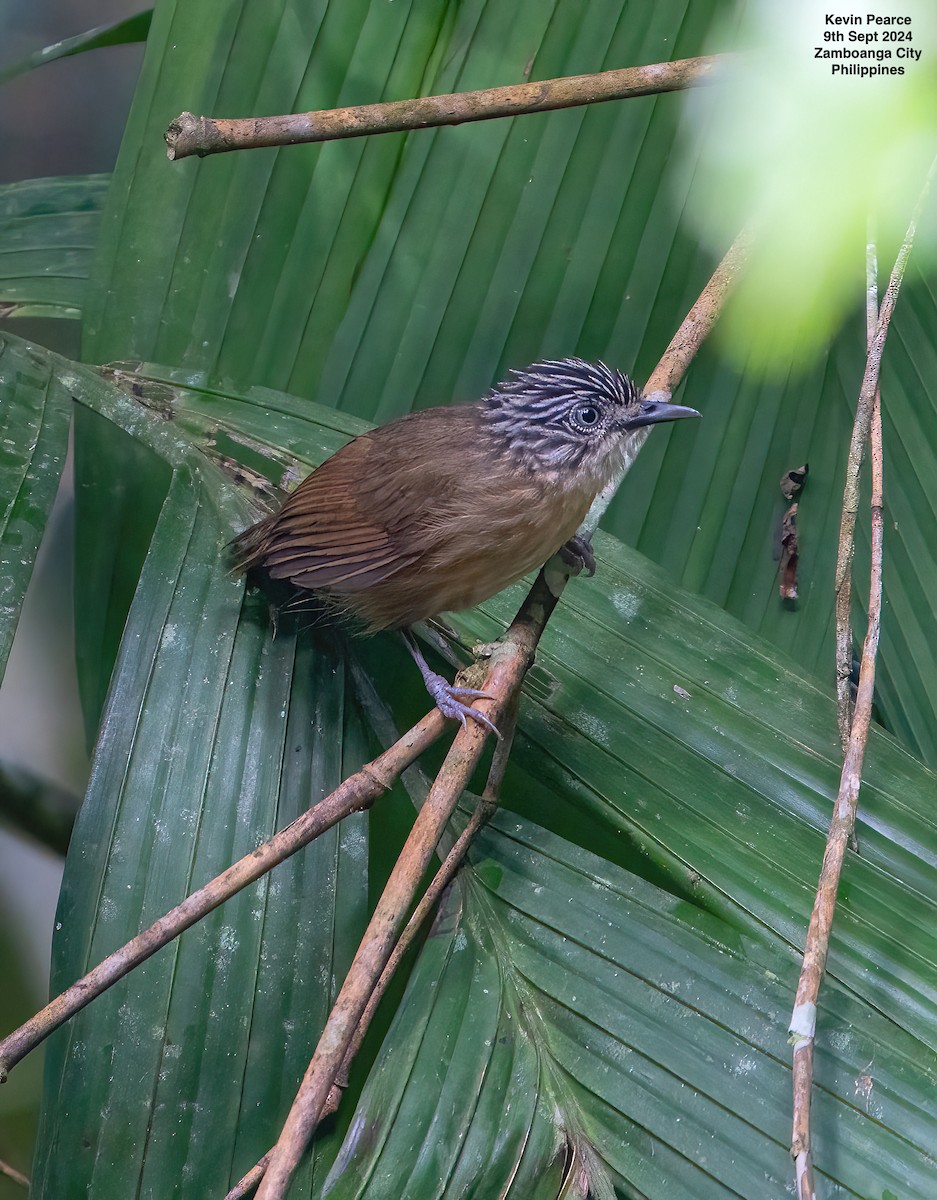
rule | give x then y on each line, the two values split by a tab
442	508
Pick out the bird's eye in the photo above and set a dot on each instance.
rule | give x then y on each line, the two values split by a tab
586	416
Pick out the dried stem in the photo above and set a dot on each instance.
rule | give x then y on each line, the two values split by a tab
816	948
355	794
860	435
190	134
12	1173
844	592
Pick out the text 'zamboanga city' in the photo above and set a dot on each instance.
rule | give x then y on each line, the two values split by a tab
867	44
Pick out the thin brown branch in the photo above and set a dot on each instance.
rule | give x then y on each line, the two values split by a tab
428	901
699	321
355	794
190	134
842	824
860	435
441	880
12	1173
844	588
248	1183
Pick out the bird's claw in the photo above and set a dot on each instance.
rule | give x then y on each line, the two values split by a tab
447	700
464	691
577	554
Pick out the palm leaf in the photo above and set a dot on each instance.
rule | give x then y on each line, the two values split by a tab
396	272
374	276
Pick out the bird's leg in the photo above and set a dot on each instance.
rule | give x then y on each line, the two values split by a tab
577	553
446	695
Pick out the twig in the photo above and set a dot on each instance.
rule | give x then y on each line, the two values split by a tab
860	435
248	1183
12	1173
355	794
842	823
441	880
190	134
846	547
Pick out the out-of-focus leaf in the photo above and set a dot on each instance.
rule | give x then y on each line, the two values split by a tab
569	1020
131	29
37	807
784	148
34	412
48	233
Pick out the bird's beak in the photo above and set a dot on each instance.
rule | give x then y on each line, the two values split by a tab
652	412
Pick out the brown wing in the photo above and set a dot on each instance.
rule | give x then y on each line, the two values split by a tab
366	512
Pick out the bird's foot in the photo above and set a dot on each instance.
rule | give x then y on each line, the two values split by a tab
449	698
446	694
577	554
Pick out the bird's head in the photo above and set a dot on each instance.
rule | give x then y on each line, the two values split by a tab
570	417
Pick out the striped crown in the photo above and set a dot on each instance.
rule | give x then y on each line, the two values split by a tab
561	412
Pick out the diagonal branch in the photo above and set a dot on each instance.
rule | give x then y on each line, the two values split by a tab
12	1173
189	134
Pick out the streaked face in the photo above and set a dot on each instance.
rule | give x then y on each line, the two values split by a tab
571	415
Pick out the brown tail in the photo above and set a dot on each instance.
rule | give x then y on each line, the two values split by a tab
248	549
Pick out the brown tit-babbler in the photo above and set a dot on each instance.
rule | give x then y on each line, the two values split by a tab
442	508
